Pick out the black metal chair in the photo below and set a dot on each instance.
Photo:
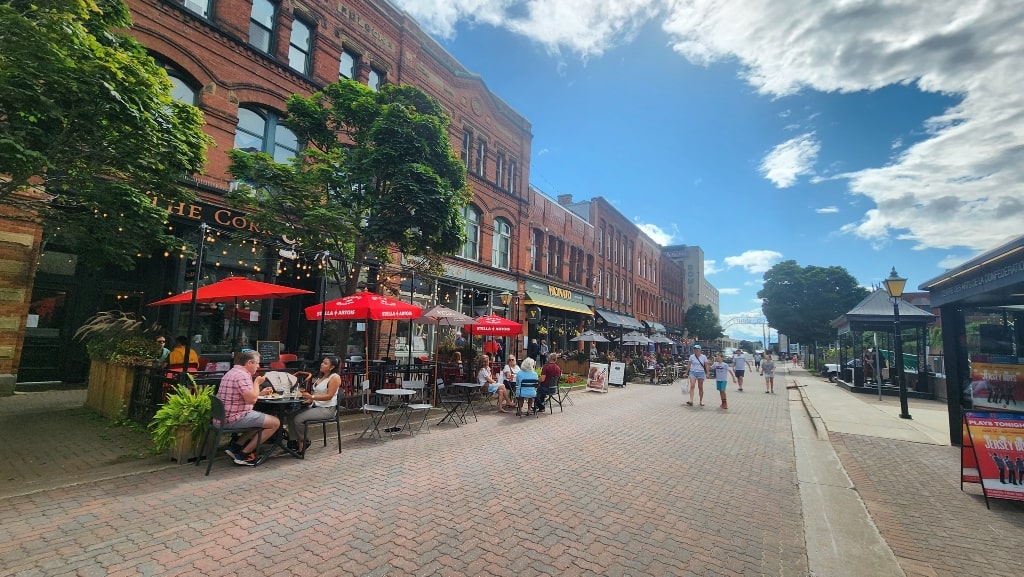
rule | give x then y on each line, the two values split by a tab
336	419
219	426
525	384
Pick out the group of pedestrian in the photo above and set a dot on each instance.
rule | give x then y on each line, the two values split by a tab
1010	471
700	368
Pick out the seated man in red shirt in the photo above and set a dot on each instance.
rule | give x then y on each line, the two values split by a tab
239	391
549	376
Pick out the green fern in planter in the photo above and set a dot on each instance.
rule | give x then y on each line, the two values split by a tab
185	406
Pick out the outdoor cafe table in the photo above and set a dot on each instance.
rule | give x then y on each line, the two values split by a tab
470	389
282	408
395	404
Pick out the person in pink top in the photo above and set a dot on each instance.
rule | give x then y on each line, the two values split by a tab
238	391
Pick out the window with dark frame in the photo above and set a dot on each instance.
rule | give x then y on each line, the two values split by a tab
347	64
261	25
300	47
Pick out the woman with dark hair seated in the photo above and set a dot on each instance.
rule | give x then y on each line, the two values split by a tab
322	395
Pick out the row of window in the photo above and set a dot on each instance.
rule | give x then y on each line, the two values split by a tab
263	21
501	246
474	156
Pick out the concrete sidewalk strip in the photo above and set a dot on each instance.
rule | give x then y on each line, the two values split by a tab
842	539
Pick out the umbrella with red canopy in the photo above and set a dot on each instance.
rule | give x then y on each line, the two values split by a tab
495	325
363	306
231	289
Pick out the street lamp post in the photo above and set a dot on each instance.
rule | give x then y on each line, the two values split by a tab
506	298
894	286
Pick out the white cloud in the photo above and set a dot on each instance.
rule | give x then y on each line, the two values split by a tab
656	233
728	291
967	169
755	261
826	210
790	160
711	267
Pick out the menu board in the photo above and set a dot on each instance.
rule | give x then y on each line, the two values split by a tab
269	351
617	374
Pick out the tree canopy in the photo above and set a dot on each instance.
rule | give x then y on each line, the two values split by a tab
86	115
378	173
702	323
802	302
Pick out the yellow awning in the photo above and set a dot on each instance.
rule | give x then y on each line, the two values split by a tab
546	301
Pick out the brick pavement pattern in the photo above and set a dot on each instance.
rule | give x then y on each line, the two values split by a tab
631	482
912	491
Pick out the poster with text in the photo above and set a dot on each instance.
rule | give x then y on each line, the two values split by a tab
998	441
968	464
597	378
617	374
997	383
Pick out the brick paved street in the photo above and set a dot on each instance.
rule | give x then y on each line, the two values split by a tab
627	483
912	492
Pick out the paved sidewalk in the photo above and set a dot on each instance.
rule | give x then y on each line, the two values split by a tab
906	475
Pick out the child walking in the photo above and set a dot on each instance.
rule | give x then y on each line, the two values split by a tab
721	371
768	371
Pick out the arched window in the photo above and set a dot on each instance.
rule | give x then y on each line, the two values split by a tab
471	249
501	253
181	91
261	131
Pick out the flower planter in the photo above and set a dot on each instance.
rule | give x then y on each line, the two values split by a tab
110	387
186	448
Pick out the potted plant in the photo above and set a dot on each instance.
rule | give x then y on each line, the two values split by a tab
117	345
179	425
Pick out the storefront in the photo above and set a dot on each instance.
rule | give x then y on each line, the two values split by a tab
612	324
476	294
66	295
981	312
557	314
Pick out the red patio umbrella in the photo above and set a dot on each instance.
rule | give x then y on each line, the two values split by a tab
495	325
363	306
231	289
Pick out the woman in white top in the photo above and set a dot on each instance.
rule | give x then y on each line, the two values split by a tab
322	399
483	376
509	373
698	372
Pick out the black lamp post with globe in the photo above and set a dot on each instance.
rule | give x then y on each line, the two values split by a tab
894	285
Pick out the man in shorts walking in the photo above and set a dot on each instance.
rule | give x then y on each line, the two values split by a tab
739	367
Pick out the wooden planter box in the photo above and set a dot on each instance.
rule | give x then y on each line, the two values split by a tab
110	388
570	367
185	447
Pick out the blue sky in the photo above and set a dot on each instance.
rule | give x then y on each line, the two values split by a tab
863	134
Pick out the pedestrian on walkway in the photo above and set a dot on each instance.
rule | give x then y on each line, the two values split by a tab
768	372
698	371
542	354
757	361
739	367
721	371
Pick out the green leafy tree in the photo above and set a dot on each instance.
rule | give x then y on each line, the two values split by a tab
378	174
702	323
87	119
802	302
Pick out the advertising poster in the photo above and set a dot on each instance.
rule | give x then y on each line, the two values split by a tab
617	374
968	464
997	383
998	441
597	378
